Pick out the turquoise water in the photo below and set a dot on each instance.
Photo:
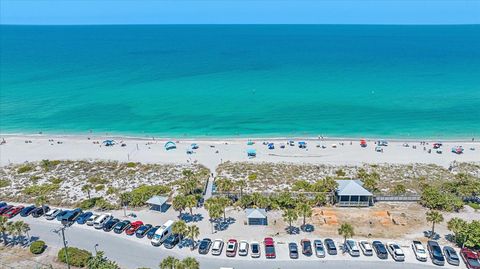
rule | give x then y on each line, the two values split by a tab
250	80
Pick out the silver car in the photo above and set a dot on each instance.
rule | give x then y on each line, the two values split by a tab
319	248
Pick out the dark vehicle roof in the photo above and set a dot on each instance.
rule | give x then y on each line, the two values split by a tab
71	213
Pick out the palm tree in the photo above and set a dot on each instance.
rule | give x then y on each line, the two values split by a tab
22	229
289	215
87	188
180	228
305	211
125	199
191	263
193	232
4	228
434	217
259	200
214	210
179	203
12	229
169	263
241	185
346	230
457	226
191	202
224	185
41	201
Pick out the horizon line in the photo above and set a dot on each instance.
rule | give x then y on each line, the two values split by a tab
156	24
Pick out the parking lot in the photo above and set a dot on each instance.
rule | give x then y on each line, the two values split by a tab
111	242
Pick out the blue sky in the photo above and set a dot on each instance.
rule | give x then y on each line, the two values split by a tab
239	11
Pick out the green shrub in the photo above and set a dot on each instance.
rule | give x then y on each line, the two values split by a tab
88	203
252	176
47	164
96	202
112	190
43	189
37	247
131	164
97	180
99	187
4	183
76	257
25	168
140	195
56	180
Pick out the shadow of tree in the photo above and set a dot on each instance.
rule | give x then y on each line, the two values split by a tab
428	234
292	230
223	224
187	217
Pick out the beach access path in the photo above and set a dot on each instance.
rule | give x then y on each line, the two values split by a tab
213	152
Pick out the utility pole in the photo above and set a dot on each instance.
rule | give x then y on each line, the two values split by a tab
62	229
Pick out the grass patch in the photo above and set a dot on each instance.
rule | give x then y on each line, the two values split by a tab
474	205
24	168
43	189
97	180
4	183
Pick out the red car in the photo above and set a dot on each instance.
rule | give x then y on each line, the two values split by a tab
471	259
269	248
133	227
13	211
231	250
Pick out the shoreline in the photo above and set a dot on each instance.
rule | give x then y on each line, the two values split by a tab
229	138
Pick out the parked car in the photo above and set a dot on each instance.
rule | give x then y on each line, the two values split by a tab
352	248
2	204
61	214
255	249
70	217
5	209
243	248
319	248
121	226
306	247
293	250
419	250
396	251
162	233
171	241
451	255
110	224
330	245
435	253
133	227
217	247
52	213
82	219
366	248
40	211
27	210
91	220
101	220
269	248
152	231
13	211
142	231
380	249
231	249
471	259
204	246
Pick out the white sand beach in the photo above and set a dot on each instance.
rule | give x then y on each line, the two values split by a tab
213	152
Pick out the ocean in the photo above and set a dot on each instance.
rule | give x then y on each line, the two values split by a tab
241	80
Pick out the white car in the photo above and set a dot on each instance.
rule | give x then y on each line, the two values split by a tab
243	248
366	248
255	249
217	247
352	248
419	250
52	213
92	219
396	251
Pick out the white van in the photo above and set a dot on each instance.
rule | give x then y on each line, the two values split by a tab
162	233
101	220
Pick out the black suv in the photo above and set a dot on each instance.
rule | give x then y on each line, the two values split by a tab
171	241
40	211
121	226
330	246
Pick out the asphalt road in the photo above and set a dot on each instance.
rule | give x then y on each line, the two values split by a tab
131	252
